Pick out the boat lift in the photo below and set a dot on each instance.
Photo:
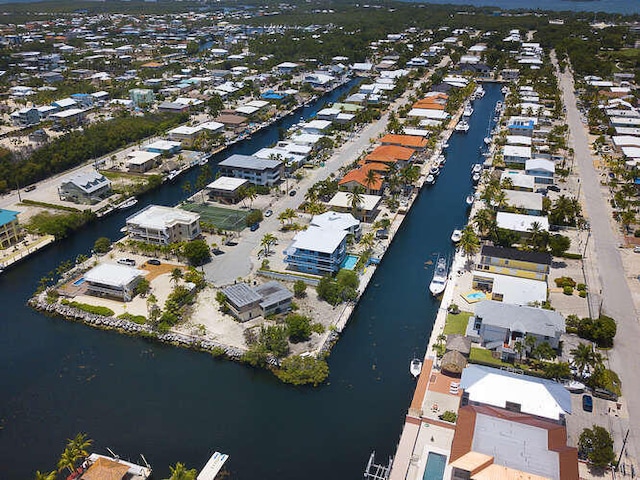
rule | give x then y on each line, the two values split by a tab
376	471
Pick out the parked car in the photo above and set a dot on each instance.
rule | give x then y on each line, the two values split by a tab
268	213
587	403
154	261
127	261
636	249
553	188
254	227
292	193
30	188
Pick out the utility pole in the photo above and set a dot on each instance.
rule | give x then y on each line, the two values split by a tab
624	444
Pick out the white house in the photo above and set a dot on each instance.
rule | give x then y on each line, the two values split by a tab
521	223
542	170
112	281
163	225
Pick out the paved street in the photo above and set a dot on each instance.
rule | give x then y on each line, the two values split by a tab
616	296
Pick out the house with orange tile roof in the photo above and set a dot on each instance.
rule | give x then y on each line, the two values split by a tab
358	177
407	141
491	442
391	155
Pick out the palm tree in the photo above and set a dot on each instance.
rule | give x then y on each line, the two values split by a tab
469	242
267	240
367	240
355	199
176	274
289	214
46	475
585	358
251	194
80	445
67	460
485	221
538	238
628	217
180	472
315	208
530	341
518	347
371	179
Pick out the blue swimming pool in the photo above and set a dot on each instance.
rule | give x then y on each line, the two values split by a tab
476	296
349	262
435	467
80	281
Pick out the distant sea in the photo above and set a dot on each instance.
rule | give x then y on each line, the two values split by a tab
608	6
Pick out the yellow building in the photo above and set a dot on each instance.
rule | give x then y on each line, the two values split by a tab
515	263
9	228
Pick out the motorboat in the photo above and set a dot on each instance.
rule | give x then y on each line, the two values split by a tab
430	180
468	111
475	178
434	170
462	126
504	90
487	140
172	175
498	106
574	386
445	146
128	203
441	160
470	199
440	276
456	235
479	91
476	168
416	367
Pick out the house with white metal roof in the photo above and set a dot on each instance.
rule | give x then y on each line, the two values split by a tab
541	169
163	225
319	251
521	223
259	171
110	280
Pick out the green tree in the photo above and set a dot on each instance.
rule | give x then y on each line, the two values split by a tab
299	288
268	239
196	252
46	475
557	371
274	339
299	370
544	351
176	274
180	472
298	327
254	216
559	244
469	242
584	357
597	444
102	245
143	287
355	199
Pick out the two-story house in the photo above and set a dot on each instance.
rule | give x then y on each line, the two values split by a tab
163	225
515	263
318	251
258	171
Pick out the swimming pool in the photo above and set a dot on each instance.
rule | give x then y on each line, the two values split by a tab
349	262
78	282
435	466
475	296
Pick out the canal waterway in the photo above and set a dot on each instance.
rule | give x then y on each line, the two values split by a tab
135	396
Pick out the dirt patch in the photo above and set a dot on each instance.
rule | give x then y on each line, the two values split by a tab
157	270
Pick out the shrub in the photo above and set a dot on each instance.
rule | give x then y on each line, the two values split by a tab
196	252
298	327
139	319
217	352
102	245
581	287
254	216
299	370
565	281
95	309
597	444
601	330
449	416
274	339
299	288
567	290
582	293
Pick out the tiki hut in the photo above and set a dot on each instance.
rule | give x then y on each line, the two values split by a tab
453	362
459	343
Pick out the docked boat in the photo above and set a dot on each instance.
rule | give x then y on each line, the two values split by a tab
441	160
574	386
498	106
456	235
416	367
172	175
103	466
430	180
504	90
434	170
468	111
462	126
470	199
128	203
439	280
475	178
479	91
445	146
487	140
476	168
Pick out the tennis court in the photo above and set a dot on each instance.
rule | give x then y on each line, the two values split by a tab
224	218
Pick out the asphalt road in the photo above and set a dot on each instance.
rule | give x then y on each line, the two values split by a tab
616	297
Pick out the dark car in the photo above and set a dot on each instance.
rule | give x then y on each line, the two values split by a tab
292	193
553	188
254	227
154	261
587	403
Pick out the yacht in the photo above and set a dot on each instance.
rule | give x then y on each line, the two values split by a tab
476	168
456	235
445	146
504	90
439	280
475	178
487	140
462	126
434	170
470	199
128	203
498	106
468	110
430	180
416	367
172	175
480	91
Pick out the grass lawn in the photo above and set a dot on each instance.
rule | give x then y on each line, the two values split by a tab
457	323
483	356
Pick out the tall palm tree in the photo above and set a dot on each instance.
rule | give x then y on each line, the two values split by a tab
469	242
176	274
180	472
367	240
355	199
268	239
585	358
67	460
371	179
485	221
46	475
80	445
518	347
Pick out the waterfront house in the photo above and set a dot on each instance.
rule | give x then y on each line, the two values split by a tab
185	135
515	263
10	232
259	171
65	104
406	141
515	290
504	443
366	210
173	107
317	250
232	121
161	225
498	325
526	202
521	224
391	155
516	155
140	161
358	178
541	169
85	188
164	147
109	280
520	181
338	221
522	126
246	302
227	189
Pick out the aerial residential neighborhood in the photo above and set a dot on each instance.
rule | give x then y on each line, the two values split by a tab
327	239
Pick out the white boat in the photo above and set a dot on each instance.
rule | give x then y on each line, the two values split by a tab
456	235
430	180
475	178
470	199
441	160
204	160
445	146
574	386
476	168
487	140
498	106
439	280
416	367
462	126
434	170
172	174
504	90
128	203
468	111
480	91
101	466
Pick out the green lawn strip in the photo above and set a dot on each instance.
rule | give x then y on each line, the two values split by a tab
457	323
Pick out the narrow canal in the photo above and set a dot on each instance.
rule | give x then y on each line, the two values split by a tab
134	396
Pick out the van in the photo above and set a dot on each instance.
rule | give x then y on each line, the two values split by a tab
127	261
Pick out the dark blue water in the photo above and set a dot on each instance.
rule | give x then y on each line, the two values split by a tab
627	7
60	378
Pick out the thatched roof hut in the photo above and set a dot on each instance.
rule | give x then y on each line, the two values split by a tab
459	343
453	362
